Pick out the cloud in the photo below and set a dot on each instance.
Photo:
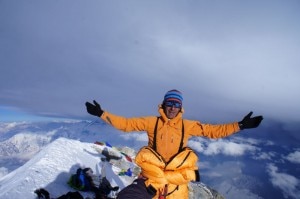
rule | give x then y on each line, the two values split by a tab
126	55
228	148
233	146
233	169
234	192
4	127
294	157
228	178
238	146
141	137
252	141
204	164
287	183
264	156
221	146
197	145
3	171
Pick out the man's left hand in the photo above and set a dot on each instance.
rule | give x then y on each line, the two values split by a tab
248	122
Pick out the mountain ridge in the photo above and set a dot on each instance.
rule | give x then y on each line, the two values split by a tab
52	167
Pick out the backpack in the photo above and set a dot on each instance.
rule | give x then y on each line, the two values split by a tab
71	195
137	190
81	180
44	194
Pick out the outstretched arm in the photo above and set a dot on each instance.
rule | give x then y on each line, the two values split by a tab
223	130
119	122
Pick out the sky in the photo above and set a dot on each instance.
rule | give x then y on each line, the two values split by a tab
226	57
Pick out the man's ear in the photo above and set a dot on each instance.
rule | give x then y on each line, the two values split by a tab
181	110
162	105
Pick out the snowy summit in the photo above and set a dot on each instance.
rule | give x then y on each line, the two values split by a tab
52	167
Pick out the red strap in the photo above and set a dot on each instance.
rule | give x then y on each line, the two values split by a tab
164	193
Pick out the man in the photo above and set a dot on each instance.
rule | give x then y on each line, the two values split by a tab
166	163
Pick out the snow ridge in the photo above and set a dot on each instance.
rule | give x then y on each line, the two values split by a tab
52	167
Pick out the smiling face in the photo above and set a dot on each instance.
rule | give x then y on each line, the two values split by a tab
171	109
172	103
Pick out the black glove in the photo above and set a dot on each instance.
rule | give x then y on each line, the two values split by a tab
94	109
248	122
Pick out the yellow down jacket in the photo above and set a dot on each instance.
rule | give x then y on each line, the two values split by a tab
169	131
176	174
168	137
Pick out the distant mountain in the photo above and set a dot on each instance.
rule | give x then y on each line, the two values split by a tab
19	142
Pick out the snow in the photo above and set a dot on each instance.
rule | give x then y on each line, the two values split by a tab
52	167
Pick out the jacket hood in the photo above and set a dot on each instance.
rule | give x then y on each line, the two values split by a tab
165	118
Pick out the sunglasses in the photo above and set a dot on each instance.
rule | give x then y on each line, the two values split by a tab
171	104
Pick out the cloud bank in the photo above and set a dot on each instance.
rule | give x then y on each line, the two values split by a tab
288	184
227	58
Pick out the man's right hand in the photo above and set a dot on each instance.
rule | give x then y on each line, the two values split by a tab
94	109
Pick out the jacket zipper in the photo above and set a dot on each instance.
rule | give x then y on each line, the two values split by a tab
156	154
184	159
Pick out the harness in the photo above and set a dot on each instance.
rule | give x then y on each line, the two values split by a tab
165	192
155	133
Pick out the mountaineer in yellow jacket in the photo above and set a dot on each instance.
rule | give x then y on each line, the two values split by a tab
167	163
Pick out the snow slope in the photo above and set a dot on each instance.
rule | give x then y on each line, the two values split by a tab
19	142
52	167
